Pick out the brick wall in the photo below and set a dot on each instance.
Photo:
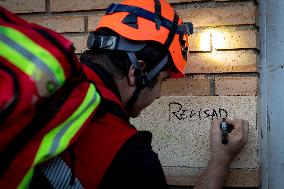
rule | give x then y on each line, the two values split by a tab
222	69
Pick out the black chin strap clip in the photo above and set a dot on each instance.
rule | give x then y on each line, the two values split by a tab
140	79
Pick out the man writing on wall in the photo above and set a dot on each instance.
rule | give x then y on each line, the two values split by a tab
137	45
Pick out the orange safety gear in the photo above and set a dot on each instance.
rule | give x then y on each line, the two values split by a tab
154	20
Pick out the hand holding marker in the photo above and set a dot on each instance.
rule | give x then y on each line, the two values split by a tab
226	128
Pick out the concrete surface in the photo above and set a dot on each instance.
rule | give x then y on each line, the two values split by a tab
180	127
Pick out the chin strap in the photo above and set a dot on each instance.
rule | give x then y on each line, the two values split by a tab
129	105
142	79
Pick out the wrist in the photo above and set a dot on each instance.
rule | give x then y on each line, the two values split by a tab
220	162
221	157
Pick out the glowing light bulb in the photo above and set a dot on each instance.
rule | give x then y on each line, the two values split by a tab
218	39
205	41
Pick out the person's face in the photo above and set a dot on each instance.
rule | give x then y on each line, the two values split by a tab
148	95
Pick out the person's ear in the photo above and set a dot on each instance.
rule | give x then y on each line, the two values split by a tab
131	76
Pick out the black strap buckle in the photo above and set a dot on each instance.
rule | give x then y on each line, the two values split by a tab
102	42
185	28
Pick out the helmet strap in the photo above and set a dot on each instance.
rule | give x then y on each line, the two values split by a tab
142	80
158	14
172	32
133	99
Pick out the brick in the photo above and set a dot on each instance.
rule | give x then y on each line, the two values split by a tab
187	176
235	40
186	87
23	6
223	40
60	24
76	5
218	16
80	42
246	86
222	62
180	126
200	42
93	21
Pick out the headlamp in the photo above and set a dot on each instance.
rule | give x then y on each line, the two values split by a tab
185	30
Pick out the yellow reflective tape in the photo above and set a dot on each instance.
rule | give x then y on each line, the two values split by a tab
17	59
37	51
70	127
41	77
77	119
27	180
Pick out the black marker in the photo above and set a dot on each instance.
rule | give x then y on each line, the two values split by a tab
226	128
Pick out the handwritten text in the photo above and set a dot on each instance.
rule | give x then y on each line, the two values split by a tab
177	111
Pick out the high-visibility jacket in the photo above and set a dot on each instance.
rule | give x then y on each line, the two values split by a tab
88	159
105	135
45	98
50	104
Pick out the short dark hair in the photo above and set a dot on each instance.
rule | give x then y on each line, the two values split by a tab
117	63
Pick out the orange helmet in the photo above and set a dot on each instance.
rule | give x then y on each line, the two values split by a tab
150	20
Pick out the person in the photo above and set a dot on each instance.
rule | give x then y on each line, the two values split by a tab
137	45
